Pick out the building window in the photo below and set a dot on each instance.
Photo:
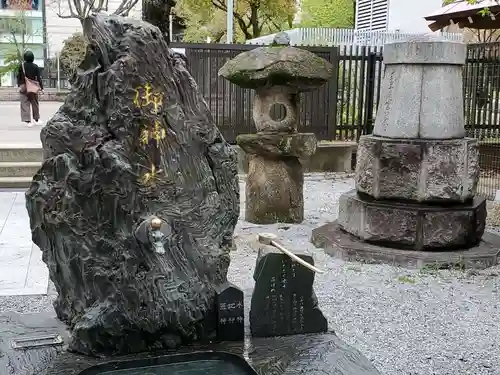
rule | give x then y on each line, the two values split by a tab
20	4
13	26
30	27
371	15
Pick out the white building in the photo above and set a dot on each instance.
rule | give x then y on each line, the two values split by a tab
377	22
405	16
26	16
59	29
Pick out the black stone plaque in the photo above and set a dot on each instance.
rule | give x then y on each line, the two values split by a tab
230	313
283	300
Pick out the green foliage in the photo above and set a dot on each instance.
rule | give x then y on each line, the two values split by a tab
252	18
483	12
200	26
157	12
471	2
72	53
11	63
327	13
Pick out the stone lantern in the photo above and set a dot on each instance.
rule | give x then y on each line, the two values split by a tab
278	73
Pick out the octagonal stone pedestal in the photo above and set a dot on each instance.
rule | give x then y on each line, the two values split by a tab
340	244
417	169
411	225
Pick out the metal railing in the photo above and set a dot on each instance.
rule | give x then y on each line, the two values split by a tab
341	37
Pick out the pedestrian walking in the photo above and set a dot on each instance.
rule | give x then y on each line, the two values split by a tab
30	85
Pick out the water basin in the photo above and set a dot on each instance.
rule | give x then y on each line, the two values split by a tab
198	363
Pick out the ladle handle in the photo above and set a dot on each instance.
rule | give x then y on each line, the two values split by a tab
280	247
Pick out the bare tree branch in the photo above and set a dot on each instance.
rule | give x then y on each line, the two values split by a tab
125	7
77	5
241	22
67	16
80	9
72	12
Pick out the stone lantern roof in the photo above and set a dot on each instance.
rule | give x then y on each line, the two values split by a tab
278	65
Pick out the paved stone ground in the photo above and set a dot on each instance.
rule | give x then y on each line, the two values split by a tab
13	131
22	271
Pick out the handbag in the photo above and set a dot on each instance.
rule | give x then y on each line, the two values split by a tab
32	86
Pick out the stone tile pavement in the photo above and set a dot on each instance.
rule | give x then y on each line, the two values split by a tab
22	271
13	131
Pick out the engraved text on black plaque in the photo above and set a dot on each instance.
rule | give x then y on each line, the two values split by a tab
283	300
230	313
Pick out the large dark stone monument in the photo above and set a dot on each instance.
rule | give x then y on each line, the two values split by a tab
134	209
136	202
283	300
278	73
416	175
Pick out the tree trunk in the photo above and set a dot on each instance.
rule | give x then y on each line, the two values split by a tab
254	21
157	12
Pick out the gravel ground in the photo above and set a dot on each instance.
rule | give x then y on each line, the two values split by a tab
407	322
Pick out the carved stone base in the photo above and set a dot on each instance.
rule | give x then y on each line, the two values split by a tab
417	169
340	244
274	191
295	354
412	226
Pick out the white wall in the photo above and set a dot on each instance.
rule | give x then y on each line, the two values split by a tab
7	80
408	15
59	29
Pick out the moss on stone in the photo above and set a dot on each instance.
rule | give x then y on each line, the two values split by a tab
285	145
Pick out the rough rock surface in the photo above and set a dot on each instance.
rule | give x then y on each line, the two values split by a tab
414	226
417	170
274	191
102	176
277	66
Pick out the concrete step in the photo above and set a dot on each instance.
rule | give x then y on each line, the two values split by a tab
15	182
20	153
19	169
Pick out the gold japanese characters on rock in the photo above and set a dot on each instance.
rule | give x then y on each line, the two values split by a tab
145	96
156	132
152	134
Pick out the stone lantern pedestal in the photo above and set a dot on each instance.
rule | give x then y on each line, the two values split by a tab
414	203
274	187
